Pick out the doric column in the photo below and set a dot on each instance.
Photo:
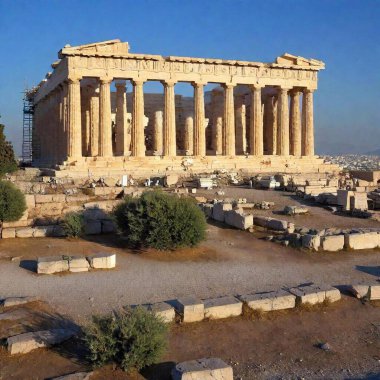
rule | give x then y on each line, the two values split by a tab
170	146
229	121
138	143
219	135
189	136
157	133
121	119
199	120
94	127
283	122
240	130
105	124
295	123
256	133
307	123
74	141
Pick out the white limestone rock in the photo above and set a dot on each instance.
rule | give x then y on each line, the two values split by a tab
52	264
24	232
368	240
219	209
269	301
75	376
8	233
312	242
203	369
333	243
78	264
190	309
222	307
374	292
163	310
359	290
314	294
103	260
238	219
24	343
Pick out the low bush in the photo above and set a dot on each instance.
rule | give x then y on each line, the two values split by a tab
160	221
133	338
74	224
12	202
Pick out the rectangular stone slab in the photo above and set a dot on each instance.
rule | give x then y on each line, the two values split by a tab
203	369
52	264
222	307
78	264
103	260
191	309
374	292
269	301
24	343
314	294
163	310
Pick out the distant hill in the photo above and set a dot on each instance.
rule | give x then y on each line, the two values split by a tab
374	153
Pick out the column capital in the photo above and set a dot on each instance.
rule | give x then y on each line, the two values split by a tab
308	90
74	79
284	89
228	85
120	83
105	80
256	86
198	84
168	83
138	82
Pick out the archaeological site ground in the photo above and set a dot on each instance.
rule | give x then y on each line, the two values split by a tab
207	222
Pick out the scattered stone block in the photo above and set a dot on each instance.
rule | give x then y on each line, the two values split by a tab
368	240
222	307
43	231
359	290
201	199
277	225
93	227
269	301
238	219
24	343
78	264
75	376
191	309
163	310
374	292
314	294
219	210
333	243
8	233
312	242
203	369
171	180
261	221
24	232
16	301
295	210
103	261
52	264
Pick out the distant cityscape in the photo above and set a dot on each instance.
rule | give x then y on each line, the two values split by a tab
355	161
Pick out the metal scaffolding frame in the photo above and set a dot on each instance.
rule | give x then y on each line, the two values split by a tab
27	129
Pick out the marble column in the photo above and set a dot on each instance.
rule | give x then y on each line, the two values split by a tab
240	130
157	133
105	123
256	133
295	123
199	120
189	136
219	135
121	119
307	123
94	125
170	146
74	141
283	122
229	121
138	140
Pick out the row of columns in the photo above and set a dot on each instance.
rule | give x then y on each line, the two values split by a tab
295	132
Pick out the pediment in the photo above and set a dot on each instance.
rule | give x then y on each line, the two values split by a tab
291	60
111	47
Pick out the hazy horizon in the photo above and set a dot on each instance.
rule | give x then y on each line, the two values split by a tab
343	34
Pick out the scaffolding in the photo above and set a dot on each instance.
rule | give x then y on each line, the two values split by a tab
27	129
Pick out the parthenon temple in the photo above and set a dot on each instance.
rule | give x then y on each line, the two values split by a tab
243	115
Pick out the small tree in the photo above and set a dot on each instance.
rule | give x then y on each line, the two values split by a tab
12	202
74	224
134	338
161	221
8	162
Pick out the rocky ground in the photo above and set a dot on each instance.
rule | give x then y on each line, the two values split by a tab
229	262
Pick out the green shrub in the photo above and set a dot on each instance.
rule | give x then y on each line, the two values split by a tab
8	162
134	338
12	202
160	221
74	224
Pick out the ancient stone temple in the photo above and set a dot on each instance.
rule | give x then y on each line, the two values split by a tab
258	117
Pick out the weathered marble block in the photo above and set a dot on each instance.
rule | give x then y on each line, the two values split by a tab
203	369
219	210
368	240
24	343
314	294
269	301
163	310
312	242
333	243
191	309
8	233
103	260
222	307
238	219
78	264
52	264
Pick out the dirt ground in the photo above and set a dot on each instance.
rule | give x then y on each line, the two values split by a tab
280	345
229	262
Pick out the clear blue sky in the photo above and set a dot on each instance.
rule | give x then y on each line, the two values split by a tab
344	34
